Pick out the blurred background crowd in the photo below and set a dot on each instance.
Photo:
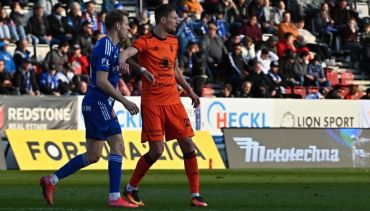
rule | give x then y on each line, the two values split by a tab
228	48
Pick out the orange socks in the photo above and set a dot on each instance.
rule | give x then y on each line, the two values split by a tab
191	168
142	166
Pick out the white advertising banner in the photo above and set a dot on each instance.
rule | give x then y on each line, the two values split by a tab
289	113
129	122
217	113
365	114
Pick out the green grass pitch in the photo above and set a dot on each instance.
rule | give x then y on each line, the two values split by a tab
254	189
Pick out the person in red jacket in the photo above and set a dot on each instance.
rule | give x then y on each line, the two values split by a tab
80	63
251	29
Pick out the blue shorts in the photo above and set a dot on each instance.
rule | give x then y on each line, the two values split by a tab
100	121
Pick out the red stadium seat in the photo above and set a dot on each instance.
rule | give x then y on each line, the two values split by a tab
312	89
332	77
347	78
300	90
207	91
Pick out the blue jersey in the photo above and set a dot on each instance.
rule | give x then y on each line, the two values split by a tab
97	107
104	57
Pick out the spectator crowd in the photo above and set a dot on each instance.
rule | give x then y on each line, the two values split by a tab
250	48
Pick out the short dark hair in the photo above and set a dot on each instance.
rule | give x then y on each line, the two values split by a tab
113	17
163	11
63	43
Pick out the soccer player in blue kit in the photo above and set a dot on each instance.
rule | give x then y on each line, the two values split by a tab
100	119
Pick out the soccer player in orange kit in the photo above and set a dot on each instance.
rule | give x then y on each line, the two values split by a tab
162	111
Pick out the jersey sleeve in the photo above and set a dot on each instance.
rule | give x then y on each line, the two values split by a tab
104	52
140	44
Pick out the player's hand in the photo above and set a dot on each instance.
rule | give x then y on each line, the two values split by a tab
124	68
131	107
195	101
149	76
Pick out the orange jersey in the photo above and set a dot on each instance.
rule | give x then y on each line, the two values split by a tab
158	56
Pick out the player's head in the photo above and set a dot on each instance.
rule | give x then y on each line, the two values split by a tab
117	20
166	16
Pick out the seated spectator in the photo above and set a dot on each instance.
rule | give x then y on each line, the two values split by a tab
365	35
245	91
259	81
56	23
266	17
236	69
222	25
83	89
320	94
270	44
19	20
7	57
57	57
266	57
252	30
21	53
287	26
279	13
144	18
227	91
354	93
101	29
231	12
186	31
49	84
367	95
7	26
286	44
90	16
350	41
195	62
335	93
194	7
341	14
215	51
74	21
324	25
305	36
6	84
79	63
275	81
38	25
286	69
242	10
84	39
248	50
234	39
300	68
316	74
25	79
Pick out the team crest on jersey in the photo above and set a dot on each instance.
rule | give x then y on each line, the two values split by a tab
171	48
165	64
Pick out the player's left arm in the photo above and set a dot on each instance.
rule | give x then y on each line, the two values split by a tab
180	80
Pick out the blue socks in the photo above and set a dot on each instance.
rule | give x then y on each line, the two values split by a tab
80	161
75	164
115	172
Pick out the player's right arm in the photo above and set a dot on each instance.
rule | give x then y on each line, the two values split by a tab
103	83
126	54
140	45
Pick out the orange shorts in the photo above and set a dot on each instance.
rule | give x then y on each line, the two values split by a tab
170	121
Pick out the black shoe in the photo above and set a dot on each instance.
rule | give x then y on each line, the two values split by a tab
133	197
